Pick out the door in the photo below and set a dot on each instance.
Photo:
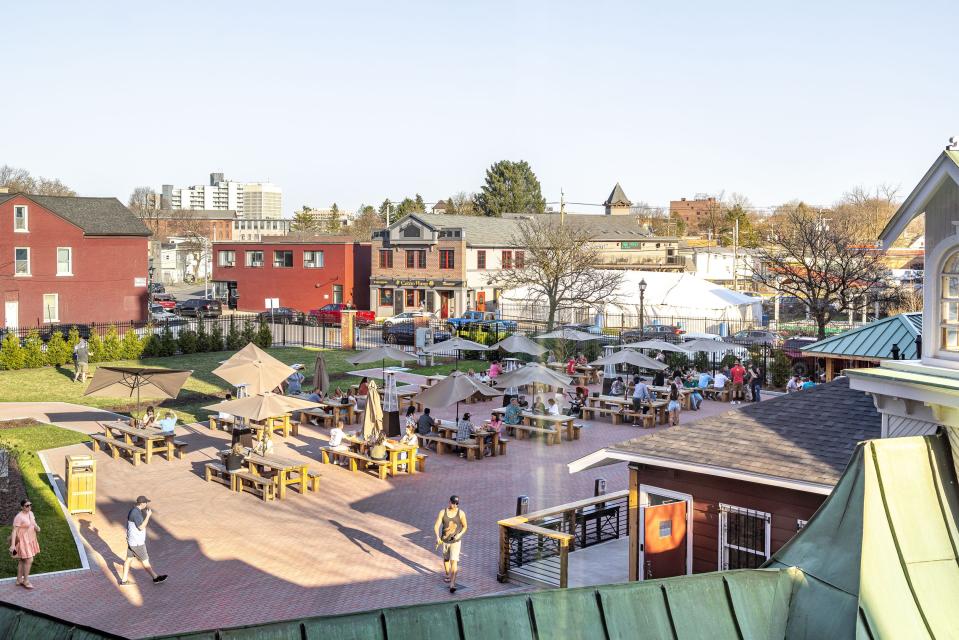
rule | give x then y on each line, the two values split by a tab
446	304
398	300
11	313
664	540
481	301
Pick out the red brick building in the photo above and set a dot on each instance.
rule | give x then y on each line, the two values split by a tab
303	273
69	259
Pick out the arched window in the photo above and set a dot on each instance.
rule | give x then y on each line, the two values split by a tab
949	320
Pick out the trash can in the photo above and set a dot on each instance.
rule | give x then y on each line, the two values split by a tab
81	484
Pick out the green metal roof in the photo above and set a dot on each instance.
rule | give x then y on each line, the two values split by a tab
875	340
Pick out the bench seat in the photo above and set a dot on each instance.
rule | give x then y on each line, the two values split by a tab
117	446
216	472
472	447
355	460
257	485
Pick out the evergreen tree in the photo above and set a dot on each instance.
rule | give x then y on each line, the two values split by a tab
264	337
187	341
248	335
33	355
11	353
73	338
151	346
202	337
112	349
780	369
58	352
216	336
95	344
234	339
168	344
304	220
511	187
131	346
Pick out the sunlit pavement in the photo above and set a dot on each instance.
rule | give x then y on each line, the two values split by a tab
360	543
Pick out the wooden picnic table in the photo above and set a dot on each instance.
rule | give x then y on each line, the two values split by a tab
153	439
684	394
288	471
447	428
393	450
658	406
558	424
431	380
337	408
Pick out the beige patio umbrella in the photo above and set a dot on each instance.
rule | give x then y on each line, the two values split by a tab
453	389
533	373
255	368
129	382
262	406
321	379
658	345
381	354
456	344
373	413
628	356
520	344
565	333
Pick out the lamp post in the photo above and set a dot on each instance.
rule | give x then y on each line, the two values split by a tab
642	303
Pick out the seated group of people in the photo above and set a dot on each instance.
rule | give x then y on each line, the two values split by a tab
579	360
489	376
165	424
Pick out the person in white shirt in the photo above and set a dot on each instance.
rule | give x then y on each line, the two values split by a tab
552	409
793	385
719	382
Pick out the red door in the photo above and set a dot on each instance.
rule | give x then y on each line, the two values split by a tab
481	301
664	542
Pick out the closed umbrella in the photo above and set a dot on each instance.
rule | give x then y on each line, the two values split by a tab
533	373
658	345
321	379
129	382
381	354
456	344
254	368
373	413
520	344
453	389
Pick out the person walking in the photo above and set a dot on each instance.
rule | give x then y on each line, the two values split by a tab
673	406
137	521
738	375
755	381
23	542
82	359
450	527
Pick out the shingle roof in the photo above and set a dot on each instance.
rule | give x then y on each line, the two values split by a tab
617	197
96	216
875	340
807	436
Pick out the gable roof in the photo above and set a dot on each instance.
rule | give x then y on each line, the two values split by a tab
800	440
946	167
95	216
617	197
874	340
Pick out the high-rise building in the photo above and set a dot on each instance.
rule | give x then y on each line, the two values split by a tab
249	199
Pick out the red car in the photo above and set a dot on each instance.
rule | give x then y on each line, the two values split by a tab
330	314
165	300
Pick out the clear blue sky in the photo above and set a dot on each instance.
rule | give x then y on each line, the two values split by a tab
357	101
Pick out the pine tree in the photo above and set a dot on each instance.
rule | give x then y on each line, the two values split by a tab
264	337
511	187
216	336
33	355
112	349
95	344
131	346
248	335
304	220
168	344
58	351
234	339
11	353
202	337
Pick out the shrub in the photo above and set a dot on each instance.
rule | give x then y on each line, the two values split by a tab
131	347
202	337
168	344
11	353
216	337
112	349
781	368
187	341
73	338
96	347
58	351
264	337
701	361
676	360
728	360
151	346
234	340
248	335
33	355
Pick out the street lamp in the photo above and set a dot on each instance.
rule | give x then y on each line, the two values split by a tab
642	303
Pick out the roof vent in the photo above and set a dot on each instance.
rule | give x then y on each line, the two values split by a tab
953	144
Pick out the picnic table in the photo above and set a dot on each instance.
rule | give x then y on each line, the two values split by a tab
619	402
393	450
153	439
336	408
447	428
431	380
684	394
584	372
287	472
538	423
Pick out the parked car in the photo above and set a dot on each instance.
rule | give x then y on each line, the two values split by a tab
405	333
419	318
665	332
282	314
157	287
48	330
159	314
801	365
165	300
757	336
480	319
331	313
200	308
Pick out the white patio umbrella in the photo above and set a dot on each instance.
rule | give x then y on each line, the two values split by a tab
453	389
709	346
658	345
520	344
533	373
381	354
456	344
628	356
565	333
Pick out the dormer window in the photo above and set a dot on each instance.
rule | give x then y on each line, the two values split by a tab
410	231
949	321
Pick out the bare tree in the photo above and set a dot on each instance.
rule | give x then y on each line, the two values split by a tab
557	266
819	261
187	224
867	211
20	181
362	226
143	203
462	204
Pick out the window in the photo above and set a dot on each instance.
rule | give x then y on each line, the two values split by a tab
386	258
949	322
282	259
64	261
507	259
20	219
386	297
51	307
410	231
744	537
21	260
446	258
480	259
411	298
416	258
518	260
226	258
254	258
337	294
313	259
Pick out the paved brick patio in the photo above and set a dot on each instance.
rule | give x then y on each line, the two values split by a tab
360	543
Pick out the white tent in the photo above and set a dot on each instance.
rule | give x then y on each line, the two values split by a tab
679	299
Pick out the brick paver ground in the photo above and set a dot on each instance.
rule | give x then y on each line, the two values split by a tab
360	543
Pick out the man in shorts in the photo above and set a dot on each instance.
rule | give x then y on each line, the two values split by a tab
137	521
450	527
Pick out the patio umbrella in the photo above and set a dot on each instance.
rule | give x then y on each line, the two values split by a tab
520	344
127	382
658	345
321	379
709	346
456	344
453	389
261	406
373	413
381	355
628	356
254	368
533	373
565	333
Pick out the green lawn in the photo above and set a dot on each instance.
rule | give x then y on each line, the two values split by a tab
203	388
57	549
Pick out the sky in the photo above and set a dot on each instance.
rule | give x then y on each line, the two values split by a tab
360	101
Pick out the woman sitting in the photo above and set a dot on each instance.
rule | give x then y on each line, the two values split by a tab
618	387
364	388
539	406
149	419
336	438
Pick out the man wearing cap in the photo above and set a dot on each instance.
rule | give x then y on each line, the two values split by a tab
450	527
137	521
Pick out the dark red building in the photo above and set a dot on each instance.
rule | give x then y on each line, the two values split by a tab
301	273
68	259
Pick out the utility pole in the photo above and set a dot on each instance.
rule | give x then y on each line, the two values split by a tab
562	207
736	256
